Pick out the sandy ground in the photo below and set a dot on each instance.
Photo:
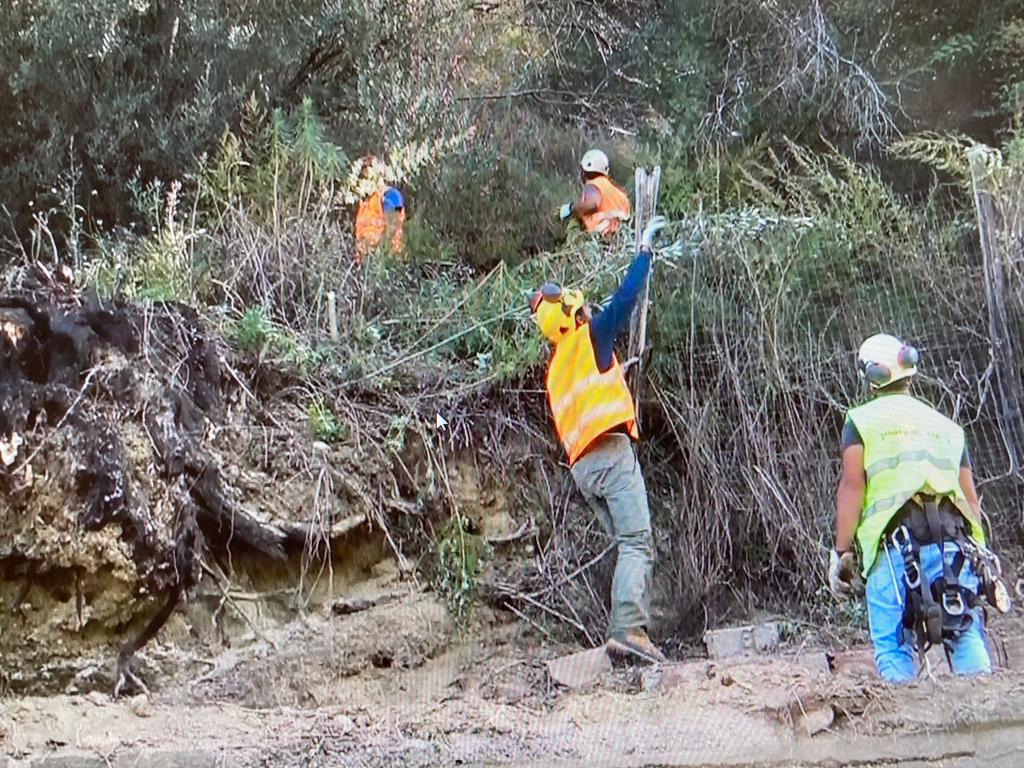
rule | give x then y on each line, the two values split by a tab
388	687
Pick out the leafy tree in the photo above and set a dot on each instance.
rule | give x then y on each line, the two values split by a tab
123	88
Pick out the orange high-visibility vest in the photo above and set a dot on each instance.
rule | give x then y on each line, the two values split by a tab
614	206
586	403
372	224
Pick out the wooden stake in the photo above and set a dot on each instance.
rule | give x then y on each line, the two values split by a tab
1001	330
332	315
646	192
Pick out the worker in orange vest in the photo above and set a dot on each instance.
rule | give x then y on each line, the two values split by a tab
603	205
595	419
380	218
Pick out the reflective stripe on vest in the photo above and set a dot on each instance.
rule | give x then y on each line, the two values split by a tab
614	207
893	461
909	448
586	403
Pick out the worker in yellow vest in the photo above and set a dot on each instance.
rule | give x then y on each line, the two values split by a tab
603	205
595	419
907	497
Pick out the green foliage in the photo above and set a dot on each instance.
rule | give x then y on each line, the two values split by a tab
276	166
960	51
499	203
324	425
460	556
159	273
808	233
956	50
396	431
156	266
683	63
252	332
120	88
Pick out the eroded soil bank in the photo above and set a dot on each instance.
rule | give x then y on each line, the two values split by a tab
156	484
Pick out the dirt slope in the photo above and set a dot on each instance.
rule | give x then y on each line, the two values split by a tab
387	686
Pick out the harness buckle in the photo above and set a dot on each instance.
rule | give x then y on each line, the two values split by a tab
912	575
900	533
953	603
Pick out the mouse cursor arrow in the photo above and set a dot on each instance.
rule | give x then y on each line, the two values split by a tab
441	422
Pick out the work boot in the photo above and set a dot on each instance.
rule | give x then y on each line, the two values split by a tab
635	642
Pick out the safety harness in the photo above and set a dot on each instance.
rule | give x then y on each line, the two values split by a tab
941	611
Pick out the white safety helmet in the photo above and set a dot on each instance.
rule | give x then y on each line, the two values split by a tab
883	359
595	161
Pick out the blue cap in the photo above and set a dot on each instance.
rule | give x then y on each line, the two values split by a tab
392	200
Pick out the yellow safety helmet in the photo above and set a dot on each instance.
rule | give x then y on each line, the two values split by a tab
555	310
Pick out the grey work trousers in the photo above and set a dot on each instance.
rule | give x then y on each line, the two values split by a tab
609	478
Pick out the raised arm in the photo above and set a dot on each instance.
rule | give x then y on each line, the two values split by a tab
606	327
614	319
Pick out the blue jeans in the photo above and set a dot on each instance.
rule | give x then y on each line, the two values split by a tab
894	657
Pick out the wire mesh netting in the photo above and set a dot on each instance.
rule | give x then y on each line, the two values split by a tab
755	333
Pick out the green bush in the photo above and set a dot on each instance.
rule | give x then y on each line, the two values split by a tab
460	558
125	89
324	425
252	331
499	203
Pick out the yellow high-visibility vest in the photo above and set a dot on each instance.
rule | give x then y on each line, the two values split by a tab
909	448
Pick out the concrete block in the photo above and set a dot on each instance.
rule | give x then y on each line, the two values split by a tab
742	641
855	663
813	661
579	669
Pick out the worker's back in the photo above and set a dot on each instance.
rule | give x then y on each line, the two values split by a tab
373	222
909	448
613	209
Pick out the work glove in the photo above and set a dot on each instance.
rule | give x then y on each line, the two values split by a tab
565	211
653	227
843	578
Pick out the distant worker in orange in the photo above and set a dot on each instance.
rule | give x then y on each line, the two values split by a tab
380	216
603	205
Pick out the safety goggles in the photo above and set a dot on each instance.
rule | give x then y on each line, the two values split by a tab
548	292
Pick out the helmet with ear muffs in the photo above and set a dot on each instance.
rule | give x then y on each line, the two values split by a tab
556	310
884	359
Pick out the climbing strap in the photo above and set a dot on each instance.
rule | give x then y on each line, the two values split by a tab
956	601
